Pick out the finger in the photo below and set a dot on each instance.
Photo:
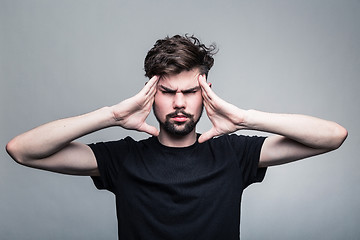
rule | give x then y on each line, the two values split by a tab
154	87
202	83
147	94
153	80
206	90
150	86
151	93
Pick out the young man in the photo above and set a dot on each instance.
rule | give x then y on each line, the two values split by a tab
176	184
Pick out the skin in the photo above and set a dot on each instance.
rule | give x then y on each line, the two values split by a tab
294	136
52	147
178	95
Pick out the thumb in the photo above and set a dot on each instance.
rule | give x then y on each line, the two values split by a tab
149	129
207	135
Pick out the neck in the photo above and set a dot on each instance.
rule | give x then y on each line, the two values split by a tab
170	140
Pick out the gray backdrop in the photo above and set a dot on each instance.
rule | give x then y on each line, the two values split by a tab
64	58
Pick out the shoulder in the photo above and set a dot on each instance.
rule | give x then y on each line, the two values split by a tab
120	149
124	141
235	139
113	146
237	143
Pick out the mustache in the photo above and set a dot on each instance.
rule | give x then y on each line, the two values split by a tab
177	112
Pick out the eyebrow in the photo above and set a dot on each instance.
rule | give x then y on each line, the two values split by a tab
183	91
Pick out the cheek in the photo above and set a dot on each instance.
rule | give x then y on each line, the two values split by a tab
196	103
160	104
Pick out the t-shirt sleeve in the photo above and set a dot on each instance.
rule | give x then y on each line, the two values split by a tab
248	149
109	157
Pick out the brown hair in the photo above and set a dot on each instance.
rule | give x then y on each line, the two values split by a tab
178	53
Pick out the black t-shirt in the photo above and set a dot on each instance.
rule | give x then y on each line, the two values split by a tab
178	193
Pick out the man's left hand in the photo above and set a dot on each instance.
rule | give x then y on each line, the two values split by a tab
225	117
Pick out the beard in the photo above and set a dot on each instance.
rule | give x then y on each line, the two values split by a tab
179	128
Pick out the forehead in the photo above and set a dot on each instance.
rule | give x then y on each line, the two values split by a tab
183	80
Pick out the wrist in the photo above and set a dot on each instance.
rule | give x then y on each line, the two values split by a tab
104	117
250	122
240	118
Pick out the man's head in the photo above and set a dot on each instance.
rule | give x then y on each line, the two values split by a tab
172	55
178	103
178	61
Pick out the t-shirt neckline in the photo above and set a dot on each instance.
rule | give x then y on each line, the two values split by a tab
164	147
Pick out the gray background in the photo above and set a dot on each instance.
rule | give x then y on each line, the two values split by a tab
64	58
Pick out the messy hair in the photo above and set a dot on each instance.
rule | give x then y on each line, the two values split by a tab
172	55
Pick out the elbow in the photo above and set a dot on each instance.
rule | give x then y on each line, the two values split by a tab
13	150
339	136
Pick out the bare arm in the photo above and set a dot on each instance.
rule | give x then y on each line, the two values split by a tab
297	136
51	147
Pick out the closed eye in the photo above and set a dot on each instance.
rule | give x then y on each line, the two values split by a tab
168	92
191	90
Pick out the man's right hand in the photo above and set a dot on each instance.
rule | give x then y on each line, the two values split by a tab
51	147
132	112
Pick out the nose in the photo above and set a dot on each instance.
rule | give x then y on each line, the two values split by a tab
179	100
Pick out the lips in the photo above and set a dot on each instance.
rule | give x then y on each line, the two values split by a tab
179	116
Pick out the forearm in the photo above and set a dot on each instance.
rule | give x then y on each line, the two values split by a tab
49	138
310	131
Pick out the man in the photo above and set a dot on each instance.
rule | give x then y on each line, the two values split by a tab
177	184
